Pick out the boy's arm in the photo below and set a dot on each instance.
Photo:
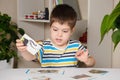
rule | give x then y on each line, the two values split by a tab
90	61
28	56
83	56
23	50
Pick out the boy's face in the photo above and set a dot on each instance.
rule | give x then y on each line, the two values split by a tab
60	34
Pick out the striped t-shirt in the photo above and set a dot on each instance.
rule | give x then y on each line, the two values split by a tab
50	56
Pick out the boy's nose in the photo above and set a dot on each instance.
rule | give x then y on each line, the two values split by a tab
60	34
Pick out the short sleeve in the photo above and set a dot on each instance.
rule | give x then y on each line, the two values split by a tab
39	54
81	47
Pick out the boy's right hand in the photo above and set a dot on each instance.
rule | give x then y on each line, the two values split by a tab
20	46
23	50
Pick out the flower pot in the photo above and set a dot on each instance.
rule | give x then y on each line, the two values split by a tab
5	65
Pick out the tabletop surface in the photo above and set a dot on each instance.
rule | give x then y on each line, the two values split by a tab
60	74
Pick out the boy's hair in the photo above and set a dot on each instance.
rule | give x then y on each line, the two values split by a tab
64	14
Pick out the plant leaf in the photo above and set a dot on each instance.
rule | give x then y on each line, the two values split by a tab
108	21
21	31
117	22
117	8
116	38
104	25
9	32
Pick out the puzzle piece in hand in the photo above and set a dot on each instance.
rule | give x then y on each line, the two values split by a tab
32	46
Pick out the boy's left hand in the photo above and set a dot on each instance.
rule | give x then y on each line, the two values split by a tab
82	55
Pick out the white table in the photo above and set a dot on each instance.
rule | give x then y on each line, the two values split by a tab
62	74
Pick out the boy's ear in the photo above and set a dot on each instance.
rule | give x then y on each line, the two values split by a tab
73	29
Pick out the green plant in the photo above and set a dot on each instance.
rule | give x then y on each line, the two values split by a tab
112	22
9	32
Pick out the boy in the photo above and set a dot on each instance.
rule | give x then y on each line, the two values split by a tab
59	51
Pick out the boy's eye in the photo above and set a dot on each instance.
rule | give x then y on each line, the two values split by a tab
54	29
65	31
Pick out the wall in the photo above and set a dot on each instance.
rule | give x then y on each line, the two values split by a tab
33	29
9	7
83	5
103	52
116	53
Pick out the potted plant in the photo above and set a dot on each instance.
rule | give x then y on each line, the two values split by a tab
9	32
112	22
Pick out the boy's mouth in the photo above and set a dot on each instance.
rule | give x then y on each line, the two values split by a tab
59	40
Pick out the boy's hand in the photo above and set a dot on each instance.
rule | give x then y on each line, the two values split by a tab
82	55
23	50
20	45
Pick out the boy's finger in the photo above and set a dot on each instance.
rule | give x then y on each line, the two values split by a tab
86	52
80	52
